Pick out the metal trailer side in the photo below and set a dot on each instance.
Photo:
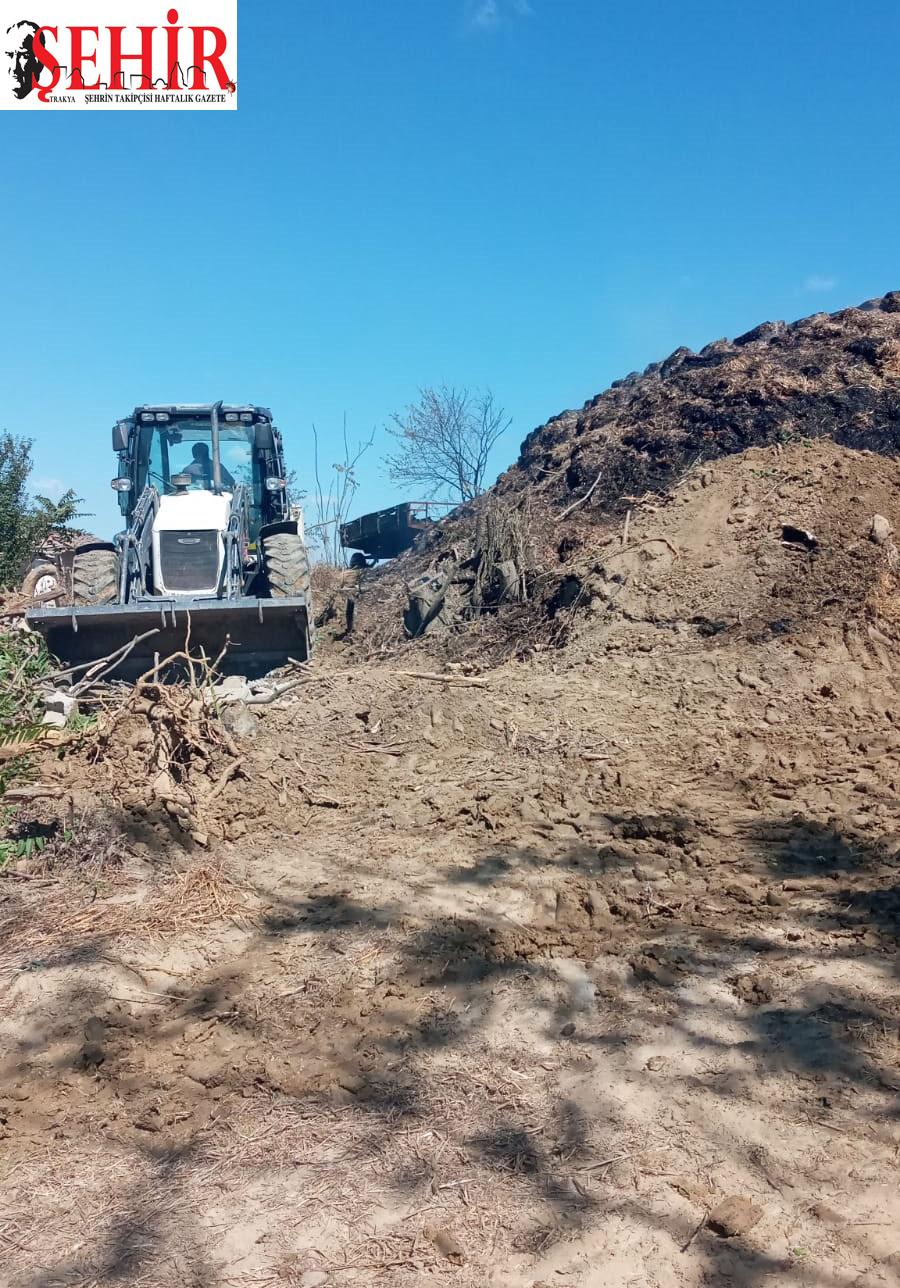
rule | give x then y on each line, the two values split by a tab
384	534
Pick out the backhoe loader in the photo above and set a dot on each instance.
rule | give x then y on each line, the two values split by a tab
211	551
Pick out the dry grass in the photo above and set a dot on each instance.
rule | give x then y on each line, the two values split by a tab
93	847
46	917
503	540
326	580
882	607
326	1167
422	1166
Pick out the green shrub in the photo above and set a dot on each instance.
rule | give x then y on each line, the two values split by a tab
25	522
24	660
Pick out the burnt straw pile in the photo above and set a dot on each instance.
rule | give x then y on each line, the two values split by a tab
805	400
827	376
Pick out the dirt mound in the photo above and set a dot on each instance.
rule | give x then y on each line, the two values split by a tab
664	444
770	544
774	542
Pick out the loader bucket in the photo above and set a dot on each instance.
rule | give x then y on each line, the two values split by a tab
261	633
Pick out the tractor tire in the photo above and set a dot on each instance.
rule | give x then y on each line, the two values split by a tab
95	577
44	578
286	565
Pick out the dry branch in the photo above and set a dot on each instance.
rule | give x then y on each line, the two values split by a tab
648	541
103	666
263	699
31	792
463	681
19	607
224	779
172	746
581	500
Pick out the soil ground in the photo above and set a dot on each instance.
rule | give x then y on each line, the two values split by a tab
510	979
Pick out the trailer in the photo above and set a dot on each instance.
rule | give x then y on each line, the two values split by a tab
384	534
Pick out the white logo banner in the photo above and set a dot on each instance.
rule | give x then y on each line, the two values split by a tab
85	55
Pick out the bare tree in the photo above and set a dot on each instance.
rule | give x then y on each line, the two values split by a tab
333	504
445	439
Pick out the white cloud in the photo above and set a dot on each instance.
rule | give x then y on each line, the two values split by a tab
819	282
50	487
485	14
488	15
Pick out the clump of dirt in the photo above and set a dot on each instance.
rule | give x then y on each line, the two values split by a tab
733	1217
717	556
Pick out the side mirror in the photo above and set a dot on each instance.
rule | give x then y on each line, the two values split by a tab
264	440
120	437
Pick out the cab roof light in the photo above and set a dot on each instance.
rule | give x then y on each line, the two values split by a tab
247	417
232	417
162	416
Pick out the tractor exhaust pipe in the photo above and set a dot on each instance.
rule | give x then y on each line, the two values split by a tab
216	460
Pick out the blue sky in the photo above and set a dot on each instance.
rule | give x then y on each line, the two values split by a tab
537	197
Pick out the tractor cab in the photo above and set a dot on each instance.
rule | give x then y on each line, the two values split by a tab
217	449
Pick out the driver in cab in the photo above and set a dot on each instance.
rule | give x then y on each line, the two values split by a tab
200	468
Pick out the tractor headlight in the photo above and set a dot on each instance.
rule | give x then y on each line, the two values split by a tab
274	485
121	485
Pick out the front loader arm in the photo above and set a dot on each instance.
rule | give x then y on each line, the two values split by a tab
236	536
135	547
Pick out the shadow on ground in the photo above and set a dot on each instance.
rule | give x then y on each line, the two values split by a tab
370	1039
